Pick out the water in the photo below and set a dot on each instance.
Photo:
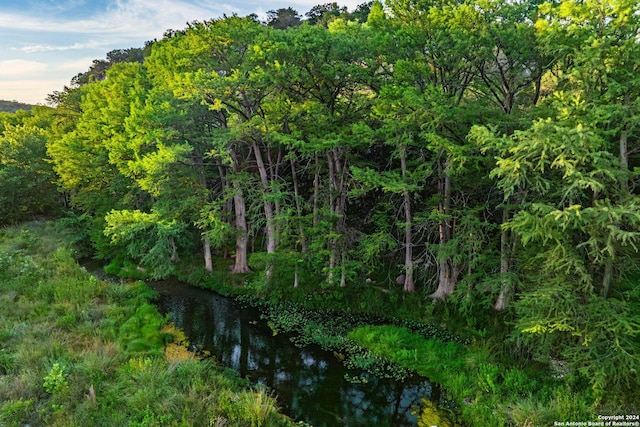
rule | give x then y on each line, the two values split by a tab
309	383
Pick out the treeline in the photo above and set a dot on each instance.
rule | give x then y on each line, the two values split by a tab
13	106
482	152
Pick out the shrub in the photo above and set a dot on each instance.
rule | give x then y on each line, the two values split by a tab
56	379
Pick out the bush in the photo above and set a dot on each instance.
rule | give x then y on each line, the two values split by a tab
56	379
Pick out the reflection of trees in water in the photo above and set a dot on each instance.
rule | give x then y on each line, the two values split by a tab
310	384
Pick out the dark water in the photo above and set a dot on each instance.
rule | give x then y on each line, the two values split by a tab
309	383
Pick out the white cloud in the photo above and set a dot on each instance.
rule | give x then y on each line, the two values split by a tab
65	44
124	18
34	48
20	68
29	91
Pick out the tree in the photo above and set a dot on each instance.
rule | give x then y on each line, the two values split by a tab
407	167
361	12
510	64
578	237
283	18
148	238
98	69
92	122
214	71
322	14
324	76
598	43
28	182
435	59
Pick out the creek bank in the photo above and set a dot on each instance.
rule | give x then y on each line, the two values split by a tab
311	385
477	387
329	330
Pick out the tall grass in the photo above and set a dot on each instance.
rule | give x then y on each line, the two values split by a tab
76	351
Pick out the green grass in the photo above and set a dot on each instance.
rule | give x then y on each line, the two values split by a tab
485	392
77	351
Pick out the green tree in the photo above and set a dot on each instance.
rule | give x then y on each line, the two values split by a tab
435	58
578	237
89	119
322	14
28	181
324	76
599	46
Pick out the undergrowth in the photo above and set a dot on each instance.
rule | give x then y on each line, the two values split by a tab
77	351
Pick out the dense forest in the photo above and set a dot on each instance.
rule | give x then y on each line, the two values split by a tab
474	162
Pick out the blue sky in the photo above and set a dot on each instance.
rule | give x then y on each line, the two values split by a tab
44	43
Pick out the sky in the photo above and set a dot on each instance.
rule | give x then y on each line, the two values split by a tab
45	43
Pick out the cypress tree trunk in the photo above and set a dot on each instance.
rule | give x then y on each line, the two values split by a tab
408	232
208	261
447	270
501	302
268	207
296	196
240	210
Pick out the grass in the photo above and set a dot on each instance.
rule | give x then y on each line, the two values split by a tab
485	391
77	351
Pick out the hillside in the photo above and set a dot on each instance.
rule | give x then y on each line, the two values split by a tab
13	106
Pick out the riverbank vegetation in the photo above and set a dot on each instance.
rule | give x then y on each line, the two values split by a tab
469	164
78	351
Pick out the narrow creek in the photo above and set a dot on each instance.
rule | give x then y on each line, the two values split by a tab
310	384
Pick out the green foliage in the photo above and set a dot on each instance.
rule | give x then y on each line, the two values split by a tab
56	380
14	411
147	238
28	182
251	408
140	333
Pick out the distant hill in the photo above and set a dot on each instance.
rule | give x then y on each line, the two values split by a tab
13	106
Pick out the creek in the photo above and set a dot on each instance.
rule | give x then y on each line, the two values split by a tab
310	384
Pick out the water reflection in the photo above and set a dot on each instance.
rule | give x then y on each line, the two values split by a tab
309	383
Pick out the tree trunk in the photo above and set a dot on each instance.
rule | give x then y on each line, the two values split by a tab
296	196
268	207
447	270
333	242
174	249
608	275
241	265
408	233
316	192
447	279
337	203
505	288
624	160
228	206
208	261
